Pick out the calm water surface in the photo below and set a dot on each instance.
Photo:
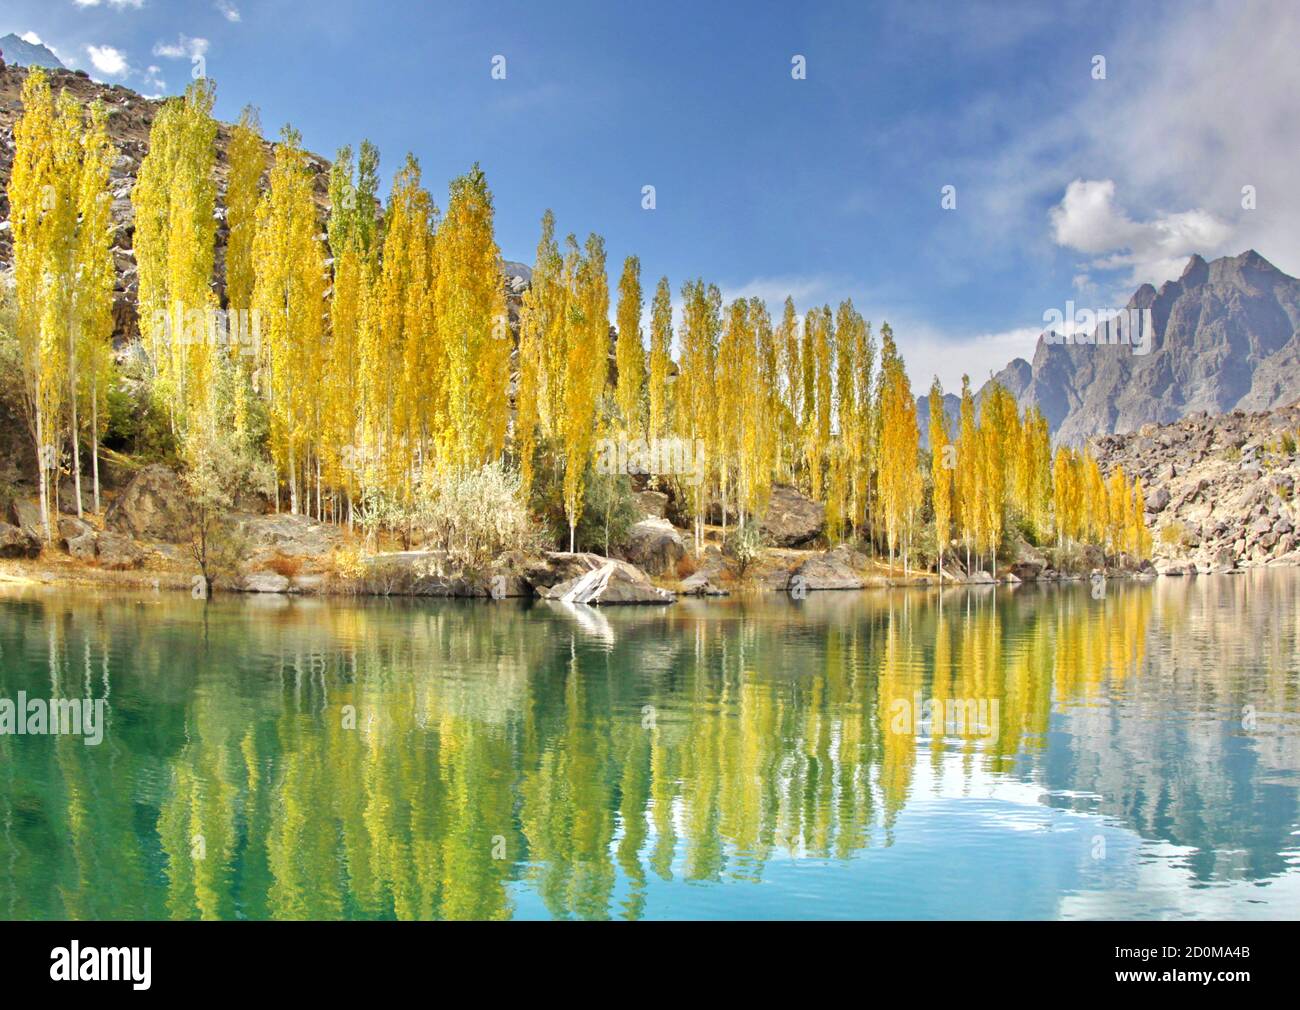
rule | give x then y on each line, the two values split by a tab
1027	753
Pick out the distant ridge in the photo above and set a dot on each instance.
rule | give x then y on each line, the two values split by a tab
27	54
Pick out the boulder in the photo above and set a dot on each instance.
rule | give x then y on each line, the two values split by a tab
26	515
653	503
70	528
699	585
117	551
291	535
555	567
1027	571
1158	500
654	546
82	547
610	584
16	543
152	507
825	571
264	582
792	519
68	497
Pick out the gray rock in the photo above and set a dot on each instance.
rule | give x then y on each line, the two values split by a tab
117	551
1159	500
153	506
653	503
15	543
654	546
825	571
699	585
610	584
291	535
26	515
70	528
264	582
792	519
83	547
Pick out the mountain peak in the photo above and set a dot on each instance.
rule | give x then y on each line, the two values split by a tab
14	49
1196	272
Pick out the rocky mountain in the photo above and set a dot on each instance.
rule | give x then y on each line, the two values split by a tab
1220	490
1224	336
28	54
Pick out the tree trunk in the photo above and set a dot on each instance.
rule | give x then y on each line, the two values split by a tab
76	459
94	439
43	474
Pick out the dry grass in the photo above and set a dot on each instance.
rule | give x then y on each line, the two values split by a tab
284	565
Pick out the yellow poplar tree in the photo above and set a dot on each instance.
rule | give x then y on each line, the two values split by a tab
792	371
588	348
290	295
661	340
629	351
95	279
967	482
900	483
941	471
540	325
696	401
472	327
175	241
32	199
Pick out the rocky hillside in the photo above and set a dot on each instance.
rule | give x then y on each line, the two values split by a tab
1220	490
1226	337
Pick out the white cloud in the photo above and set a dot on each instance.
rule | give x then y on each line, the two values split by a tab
107	60
153	80
31	38
1088	220
228	10
928	352
115	4
806	291
183	48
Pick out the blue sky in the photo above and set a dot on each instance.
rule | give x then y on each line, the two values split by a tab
1067	186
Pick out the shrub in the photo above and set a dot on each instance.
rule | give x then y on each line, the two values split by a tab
474	515
1173	534
609	508
744	544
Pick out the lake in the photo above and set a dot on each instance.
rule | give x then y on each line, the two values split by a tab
1030	752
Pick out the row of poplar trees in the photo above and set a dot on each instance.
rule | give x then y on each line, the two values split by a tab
367	356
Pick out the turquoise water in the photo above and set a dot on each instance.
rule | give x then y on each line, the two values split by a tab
1131	756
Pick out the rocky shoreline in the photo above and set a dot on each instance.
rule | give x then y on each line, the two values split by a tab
1220	499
